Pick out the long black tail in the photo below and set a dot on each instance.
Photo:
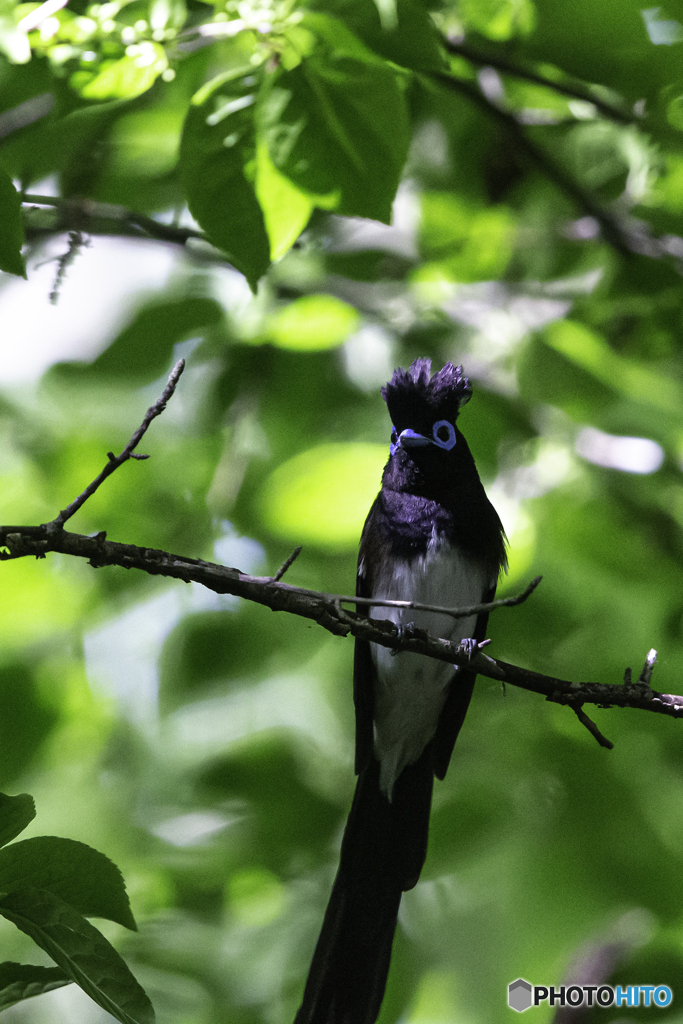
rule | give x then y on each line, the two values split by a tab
383	850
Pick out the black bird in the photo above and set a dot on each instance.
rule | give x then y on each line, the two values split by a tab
432	536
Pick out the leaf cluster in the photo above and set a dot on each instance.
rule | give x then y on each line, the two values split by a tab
48	887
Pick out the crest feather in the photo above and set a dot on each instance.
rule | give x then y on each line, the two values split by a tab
415	388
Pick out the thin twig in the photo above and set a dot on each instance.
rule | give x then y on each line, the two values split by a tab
128	452
592	727
455	613
77	241
85	209
286	564
565	87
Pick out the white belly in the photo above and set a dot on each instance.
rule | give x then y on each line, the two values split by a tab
411	689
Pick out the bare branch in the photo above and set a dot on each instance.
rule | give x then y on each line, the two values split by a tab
286	564
87	214
565	86
128	452
592	728
77	241
325	609
616	232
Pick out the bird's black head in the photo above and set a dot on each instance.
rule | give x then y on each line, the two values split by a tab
430	482
424	408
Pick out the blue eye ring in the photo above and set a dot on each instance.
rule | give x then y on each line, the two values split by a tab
448	442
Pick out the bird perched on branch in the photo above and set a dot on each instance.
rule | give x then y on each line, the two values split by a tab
432	536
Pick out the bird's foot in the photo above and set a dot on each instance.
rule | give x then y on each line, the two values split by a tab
405	631
470	647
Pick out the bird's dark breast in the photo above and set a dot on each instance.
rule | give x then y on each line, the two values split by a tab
405	525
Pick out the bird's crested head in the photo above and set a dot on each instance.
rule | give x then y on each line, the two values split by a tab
424	408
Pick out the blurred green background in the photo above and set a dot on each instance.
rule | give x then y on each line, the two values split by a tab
205	744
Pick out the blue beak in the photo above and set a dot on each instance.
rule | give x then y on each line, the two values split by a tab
411	439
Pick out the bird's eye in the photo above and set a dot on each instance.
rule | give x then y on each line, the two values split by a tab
443	434
393	447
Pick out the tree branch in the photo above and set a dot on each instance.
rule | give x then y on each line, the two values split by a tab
325	609
287	563
617	233
565	86
592	728
83	214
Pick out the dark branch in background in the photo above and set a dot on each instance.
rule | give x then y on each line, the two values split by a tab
26	113
77	241
565	86
626	234
325	609
128	452
108	218
616	233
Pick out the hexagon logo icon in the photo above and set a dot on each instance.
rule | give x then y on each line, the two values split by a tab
519	995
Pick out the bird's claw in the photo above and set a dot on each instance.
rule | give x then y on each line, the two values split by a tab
469	647
404	632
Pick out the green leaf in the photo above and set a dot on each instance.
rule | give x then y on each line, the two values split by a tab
630	377
13	40
322	496
288	812
77	874
286	209
59	144
16	812
217	158
11	228
312	323
162	324
338	122
26	718
81	951
227	647
613	47
125	78
466	242
498	19
400	30
22	981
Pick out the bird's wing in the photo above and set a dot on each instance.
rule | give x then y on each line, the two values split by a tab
363	665
457	701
